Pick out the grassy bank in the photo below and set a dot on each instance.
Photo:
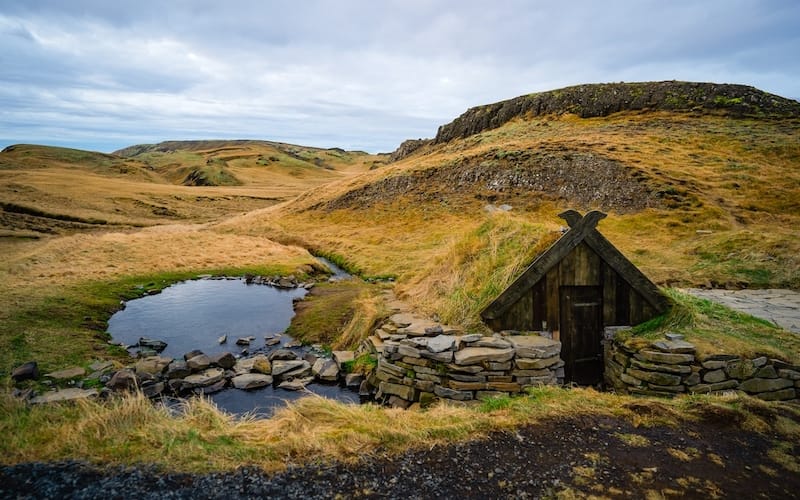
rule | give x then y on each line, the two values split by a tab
716	329
200	438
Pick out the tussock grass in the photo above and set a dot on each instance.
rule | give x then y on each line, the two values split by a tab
478	266
198	437
338	314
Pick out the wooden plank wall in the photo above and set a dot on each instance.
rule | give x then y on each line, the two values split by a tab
622	305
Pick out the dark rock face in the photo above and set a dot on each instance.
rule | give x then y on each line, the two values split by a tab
603	99
581	179
408	147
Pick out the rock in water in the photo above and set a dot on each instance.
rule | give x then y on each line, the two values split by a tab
249	381
223	339
154	344
297	384
326	369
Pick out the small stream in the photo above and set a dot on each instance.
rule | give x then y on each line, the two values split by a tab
194	314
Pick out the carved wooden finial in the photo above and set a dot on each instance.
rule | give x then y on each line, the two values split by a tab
573	217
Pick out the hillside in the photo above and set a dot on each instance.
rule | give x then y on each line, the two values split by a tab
700	192
50	190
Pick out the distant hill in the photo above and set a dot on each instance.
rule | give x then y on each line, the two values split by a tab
53	190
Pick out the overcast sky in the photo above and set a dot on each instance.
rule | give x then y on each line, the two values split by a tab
365	75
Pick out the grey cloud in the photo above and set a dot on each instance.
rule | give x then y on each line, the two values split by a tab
352	73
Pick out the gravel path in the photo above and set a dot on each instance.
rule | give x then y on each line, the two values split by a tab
588	455
781	307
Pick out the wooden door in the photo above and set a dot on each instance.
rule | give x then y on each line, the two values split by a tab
581	314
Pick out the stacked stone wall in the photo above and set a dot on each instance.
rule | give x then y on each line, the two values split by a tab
671	366
421	361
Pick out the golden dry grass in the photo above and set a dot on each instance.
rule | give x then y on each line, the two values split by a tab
199	437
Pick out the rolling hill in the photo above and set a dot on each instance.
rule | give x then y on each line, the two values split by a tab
701	182
50	190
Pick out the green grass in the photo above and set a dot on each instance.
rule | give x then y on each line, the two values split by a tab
716	329
67	326
325	312
365	363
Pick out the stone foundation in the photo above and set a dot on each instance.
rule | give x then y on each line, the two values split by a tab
421	361
671	366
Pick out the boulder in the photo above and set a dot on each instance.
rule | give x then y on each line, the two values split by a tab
272	341
282	355
342	357
189	355
204	378
153	390
475	355
124	379
326	369
261	365
70	394
154	365
213	388
198	363
154	344
223	360
177	369
297	384
289	368
249	381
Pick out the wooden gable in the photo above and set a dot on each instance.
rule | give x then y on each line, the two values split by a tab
582	257
580	285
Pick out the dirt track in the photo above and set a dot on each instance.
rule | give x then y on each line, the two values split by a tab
585	456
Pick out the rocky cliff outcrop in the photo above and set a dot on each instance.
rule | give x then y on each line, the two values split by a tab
408	147
594	100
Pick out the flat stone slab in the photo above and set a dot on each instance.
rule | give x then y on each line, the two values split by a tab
249	381
441	343
67	373
474	355
285	367
535	346
64	395
325	369
206	377
781	307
